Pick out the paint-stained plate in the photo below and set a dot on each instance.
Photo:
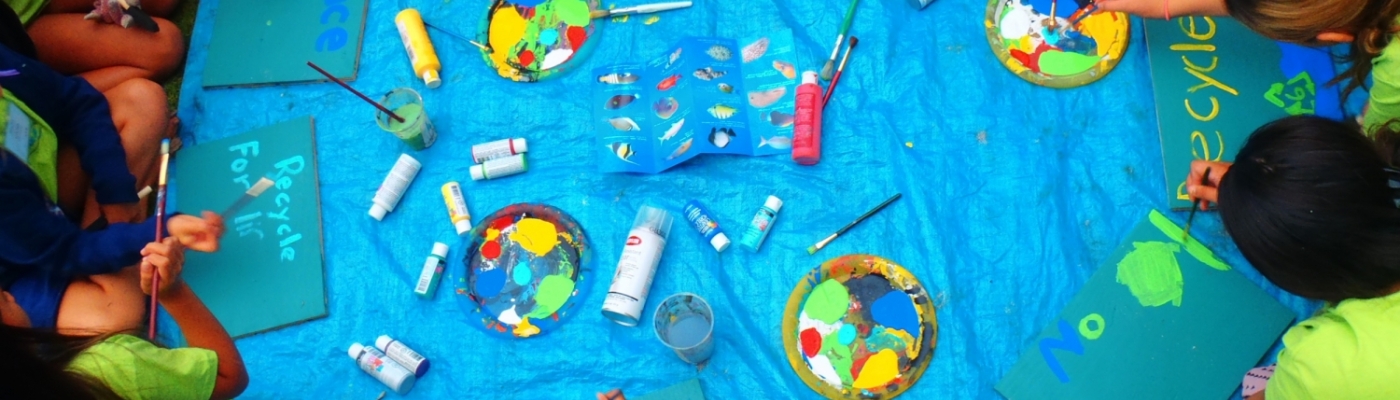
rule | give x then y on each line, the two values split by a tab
530	40
525	266
1056	54
859	327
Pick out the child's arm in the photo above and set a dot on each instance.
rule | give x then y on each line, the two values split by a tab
198	324
1160	8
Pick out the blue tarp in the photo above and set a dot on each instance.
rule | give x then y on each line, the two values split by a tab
1013	195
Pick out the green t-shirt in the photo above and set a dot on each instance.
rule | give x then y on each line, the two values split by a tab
1350	351
136	369
27	9
1384	104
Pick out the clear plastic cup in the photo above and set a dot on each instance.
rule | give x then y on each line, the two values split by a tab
685	323
416	130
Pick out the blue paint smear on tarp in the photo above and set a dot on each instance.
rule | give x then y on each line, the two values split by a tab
1013	196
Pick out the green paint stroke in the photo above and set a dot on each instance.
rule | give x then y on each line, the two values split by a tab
1055	62
572	12
1151	272
828	302
553	292
1193	247
840	355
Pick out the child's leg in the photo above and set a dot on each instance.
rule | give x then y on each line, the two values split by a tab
156	8
103	303
72	46
139	112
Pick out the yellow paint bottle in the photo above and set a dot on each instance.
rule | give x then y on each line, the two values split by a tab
420	48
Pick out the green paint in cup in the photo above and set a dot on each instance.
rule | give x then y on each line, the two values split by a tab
415	129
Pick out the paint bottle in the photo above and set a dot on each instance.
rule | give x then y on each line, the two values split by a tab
706	225
807	129
637	266
499	168
432	273
403	355
762	224
498	149
457	207
394	186
388	372
420	49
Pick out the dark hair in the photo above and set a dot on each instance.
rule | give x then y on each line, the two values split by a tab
33	365
1309	204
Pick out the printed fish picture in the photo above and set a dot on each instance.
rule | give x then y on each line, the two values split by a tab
666	107
624	124
623	151
777	142
618	78
622	100
785	68
755	50
681	150
766	98
668	83
720	137
720	111
708	73
671	132
719	53
778	118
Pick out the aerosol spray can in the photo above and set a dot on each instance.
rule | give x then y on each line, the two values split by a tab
632	281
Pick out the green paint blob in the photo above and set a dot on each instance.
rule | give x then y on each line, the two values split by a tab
839	354
828	302
1151	272
554	290
572	12
1055	62
1193	247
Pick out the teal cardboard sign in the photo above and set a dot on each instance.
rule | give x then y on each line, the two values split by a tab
1216	81
265	42
268	272
1161	319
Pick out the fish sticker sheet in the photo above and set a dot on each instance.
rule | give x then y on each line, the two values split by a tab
707	95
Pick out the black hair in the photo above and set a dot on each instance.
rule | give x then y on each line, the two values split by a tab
33	365
1309	203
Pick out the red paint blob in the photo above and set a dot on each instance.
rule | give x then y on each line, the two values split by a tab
576	36
1021	56
1034	65
856	367
527	57
491	250
811	342
502	223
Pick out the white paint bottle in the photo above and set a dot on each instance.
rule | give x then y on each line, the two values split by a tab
394	186
388	372
635	270
403	355
498	149
499	168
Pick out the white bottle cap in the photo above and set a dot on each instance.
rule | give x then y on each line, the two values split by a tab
809	77
377	212
478	173
356	349
774	203
463	227
519	145
720	242
440	250
430	78
383	341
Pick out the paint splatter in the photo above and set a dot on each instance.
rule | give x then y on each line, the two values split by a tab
554	291
878	370
827	302
896	310
651	20
536	235
811	342
1152	274
489	282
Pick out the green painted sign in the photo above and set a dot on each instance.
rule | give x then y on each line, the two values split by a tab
259	42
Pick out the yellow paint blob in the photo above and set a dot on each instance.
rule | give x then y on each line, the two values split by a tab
879	369
536	235
492	234
524	329
1105	29
507	27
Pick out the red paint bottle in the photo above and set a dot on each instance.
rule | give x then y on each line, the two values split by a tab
807	130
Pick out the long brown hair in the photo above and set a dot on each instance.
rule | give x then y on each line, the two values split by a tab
1300	21
35	365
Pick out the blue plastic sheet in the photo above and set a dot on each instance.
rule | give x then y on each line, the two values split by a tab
1013	196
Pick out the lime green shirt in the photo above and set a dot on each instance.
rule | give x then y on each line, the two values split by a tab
136	369
1350	351
1384	104
27	9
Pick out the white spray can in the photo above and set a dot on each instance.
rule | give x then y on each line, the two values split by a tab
388	372
403	355
635	270
394	186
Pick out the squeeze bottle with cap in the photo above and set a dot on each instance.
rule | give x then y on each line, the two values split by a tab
635	270
432	273
762	223
498	149
420	49
499	168
403	355
457	207
394	186
807	130
388	372
706	225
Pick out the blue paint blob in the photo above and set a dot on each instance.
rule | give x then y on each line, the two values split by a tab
522	273
549	37
847	334
895	310
489	283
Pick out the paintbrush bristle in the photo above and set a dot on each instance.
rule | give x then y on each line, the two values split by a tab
828	70
165	146
812	250
260	187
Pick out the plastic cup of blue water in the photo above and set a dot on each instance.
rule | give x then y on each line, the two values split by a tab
685	323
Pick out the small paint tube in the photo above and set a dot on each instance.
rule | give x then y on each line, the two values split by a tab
394	186
498	149
499	168
403	355
637	266
706	225
432	272
457	207
378	365
762	223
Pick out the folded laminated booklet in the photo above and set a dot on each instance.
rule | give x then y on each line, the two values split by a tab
706	95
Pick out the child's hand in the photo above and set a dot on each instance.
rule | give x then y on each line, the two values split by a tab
615	394
167	258
198	234
1208	193
1160	8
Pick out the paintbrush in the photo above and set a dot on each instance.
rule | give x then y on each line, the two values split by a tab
356	92
863	217
642	9
837	79
1195	205
252	193
1053	17
1083	13
160	228
840	38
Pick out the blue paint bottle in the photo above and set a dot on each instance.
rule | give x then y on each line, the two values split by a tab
761	224
706	225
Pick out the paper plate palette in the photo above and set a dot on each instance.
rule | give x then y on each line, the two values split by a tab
859	327
530	40
1056	54
525	266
